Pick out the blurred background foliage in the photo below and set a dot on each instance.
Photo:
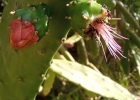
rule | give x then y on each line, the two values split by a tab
126	71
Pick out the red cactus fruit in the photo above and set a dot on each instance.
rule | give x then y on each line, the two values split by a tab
22	34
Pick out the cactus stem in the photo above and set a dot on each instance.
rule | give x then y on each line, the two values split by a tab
34	9
12	12
67	5
35	20
28	5
63	40
19	18
85	17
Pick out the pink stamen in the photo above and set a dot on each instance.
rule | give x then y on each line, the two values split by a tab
108	34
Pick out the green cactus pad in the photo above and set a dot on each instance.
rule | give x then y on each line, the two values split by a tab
22	71
38	15
81	12
109	3
90	79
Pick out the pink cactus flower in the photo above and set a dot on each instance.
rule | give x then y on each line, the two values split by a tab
100	28
22	34
108	34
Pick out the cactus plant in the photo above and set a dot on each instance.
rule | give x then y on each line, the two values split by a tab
81	12
94	22
23	70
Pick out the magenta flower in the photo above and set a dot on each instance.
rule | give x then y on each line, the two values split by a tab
108	34
99	27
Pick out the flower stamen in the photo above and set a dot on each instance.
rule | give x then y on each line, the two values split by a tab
99	26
